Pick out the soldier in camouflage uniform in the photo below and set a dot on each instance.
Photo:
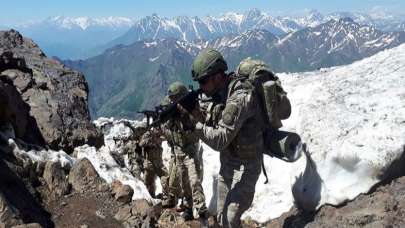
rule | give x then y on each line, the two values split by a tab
153	163
232	126
174	189
185	145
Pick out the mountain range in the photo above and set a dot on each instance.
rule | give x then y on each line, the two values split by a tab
83	37
74	38
127	78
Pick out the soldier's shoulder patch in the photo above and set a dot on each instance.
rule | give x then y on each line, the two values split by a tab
230	113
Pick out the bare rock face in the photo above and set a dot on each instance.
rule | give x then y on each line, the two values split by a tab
83	176
56	95
18	198
15	111
55	178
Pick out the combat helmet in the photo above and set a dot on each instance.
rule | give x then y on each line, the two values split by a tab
207	63
176	91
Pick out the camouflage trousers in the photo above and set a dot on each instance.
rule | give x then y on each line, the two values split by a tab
190	179
153	165
175	185
236	189
175	188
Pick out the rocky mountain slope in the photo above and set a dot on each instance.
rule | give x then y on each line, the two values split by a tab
330	44
49	101
113	75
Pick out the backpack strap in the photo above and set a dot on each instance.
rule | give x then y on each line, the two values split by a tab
233	85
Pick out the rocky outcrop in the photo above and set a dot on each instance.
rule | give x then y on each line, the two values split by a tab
19	201
83	176
122	193
385	207
15	110
56	178
54	95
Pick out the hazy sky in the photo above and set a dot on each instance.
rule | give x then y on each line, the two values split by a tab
23	10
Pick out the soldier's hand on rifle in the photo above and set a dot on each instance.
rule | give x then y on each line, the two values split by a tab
184	111
198	114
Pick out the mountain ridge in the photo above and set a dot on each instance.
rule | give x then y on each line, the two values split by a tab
329	44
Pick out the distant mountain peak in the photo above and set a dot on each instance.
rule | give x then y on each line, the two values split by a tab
85	22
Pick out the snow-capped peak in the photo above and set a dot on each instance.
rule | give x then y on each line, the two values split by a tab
86	22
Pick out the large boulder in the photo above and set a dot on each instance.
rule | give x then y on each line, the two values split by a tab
56	95
83	176
122	193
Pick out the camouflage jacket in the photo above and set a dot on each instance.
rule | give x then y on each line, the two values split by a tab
151	142
180	136
236	130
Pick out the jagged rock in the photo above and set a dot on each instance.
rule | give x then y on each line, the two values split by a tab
55	95
139	214
383	208
16	111
83	176
8	217
122	193
19	197
55	178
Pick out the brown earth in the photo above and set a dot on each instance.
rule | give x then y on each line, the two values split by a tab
94	209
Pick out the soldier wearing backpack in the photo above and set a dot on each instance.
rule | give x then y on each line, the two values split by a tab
242	123
232	126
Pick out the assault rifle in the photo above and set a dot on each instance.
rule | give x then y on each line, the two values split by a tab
164	113
150	114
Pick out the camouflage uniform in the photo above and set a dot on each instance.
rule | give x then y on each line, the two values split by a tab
185	153
233	128
185	148
153	163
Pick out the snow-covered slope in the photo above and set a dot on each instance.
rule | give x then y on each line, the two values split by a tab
353	121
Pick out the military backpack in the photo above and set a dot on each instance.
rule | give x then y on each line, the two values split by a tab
274	101
275	106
